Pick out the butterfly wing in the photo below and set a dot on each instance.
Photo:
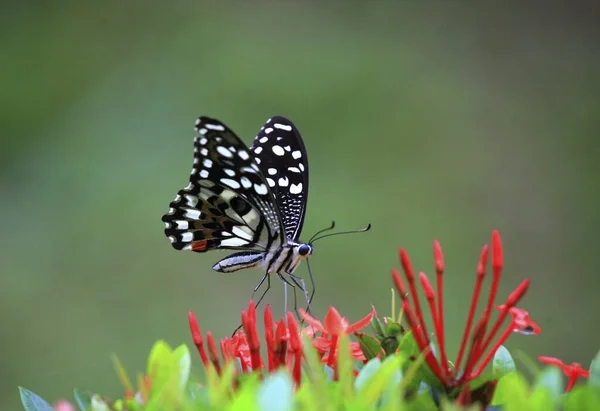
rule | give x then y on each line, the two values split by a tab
279	151
227	203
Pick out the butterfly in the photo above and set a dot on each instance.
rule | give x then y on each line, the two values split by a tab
252	200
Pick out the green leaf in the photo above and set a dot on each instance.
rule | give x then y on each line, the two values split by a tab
183	360
551	380
317	381
377	325
582	397
594	379
367	372
371	390
345	367
33	402
503	362
168	371
393	330
83	399
276	393
369	345
98	404
511	392
408	347
161	367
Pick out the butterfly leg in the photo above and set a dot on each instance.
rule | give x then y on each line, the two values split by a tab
265	277
260	283
312	284
286	283
302	285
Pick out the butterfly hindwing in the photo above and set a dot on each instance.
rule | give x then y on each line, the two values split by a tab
279	151
227	203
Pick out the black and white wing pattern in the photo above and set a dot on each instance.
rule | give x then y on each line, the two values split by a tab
228	203
279	151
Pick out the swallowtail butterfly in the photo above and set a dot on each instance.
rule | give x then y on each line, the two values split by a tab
252	200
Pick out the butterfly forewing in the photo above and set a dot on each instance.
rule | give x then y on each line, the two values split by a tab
280	153
228	204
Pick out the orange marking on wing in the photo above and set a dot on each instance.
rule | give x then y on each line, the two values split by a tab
200	245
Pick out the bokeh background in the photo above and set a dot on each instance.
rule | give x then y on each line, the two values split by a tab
427	119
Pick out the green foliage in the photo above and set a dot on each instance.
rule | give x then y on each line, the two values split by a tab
32	401
388	384
503	362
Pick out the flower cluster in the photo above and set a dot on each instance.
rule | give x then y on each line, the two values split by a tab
479	354
283	340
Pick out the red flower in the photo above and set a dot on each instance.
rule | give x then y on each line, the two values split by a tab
572	371
283	341
479	341
335	324
521	322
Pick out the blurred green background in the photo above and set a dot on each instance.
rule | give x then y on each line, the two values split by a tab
429	120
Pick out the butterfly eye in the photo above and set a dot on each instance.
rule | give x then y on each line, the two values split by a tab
304	249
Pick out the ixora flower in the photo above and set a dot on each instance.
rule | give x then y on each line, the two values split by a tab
572	371
283	341
480	343
331	330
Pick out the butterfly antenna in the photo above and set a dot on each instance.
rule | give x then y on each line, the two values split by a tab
322	231
362	230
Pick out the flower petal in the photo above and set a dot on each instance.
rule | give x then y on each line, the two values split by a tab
333	322
360	323
311	320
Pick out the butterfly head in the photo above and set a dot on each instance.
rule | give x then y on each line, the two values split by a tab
304	250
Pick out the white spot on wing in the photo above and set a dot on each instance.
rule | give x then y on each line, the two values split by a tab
207	163
192	201
204	151
243	155
258	150
263	139
257	160
224	152
182	224
287	148
234	242
260	189
192	214
271	182
296	154
296	188
217	127
272	171
268	130
283	127
301	166
283	182
229	172
246	182
278	150
203	140
187	237
231	183
203	173
203	131
241	233
172	239
294	169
